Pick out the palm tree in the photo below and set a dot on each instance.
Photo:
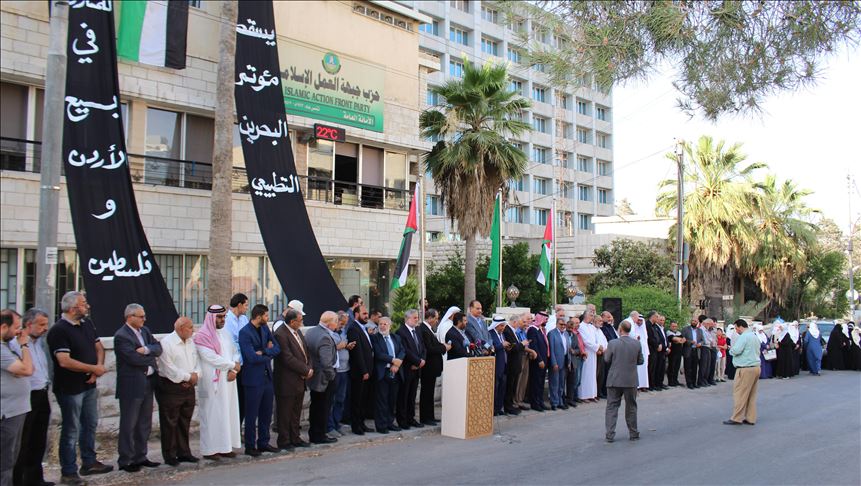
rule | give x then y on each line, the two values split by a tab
472	158
720	202
220	216
784	232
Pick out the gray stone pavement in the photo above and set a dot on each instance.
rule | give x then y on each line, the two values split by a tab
808	432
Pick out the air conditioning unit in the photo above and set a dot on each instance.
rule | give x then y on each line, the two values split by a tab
359	8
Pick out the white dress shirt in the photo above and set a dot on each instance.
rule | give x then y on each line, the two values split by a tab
178	358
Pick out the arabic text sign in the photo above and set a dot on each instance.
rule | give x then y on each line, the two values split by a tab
325	86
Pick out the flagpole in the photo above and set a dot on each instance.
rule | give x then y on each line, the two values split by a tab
553	246
420	206
499	283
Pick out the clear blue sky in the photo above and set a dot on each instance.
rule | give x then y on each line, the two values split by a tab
811	136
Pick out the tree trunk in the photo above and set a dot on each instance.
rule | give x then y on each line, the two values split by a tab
714	289
220	271
469	272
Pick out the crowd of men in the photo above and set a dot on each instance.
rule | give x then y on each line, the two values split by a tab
240	374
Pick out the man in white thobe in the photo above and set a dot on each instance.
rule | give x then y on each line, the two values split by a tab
639	332
219	402
588	389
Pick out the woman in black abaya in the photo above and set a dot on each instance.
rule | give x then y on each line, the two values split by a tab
785	348
838	343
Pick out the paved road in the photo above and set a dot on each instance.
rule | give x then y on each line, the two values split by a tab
809	432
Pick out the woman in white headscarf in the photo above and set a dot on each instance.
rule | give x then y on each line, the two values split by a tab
765	366
853	356
794	334
785	347
813	349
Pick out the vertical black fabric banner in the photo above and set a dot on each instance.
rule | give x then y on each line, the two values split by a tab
116	260
278	202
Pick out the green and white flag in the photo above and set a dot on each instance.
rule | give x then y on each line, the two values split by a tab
545	268
153	32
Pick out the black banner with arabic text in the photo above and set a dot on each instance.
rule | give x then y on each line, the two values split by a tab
116	260
275	188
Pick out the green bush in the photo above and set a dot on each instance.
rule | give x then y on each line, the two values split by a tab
645	299
404	299
445	282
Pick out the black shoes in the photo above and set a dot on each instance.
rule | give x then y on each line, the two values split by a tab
95	468
416	424
431	422
731	422
301	443
395	428
745	422
72	480
325	440
172	462
268	448
252	452
148	463
131	468
191	459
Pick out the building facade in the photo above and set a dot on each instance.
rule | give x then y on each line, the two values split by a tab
570	148
357	191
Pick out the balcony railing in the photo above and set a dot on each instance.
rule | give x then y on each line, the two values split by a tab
25	156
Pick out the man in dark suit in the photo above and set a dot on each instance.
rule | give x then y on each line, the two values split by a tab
258	348
538	366
657	341
676	344
500	351
414	361
292	368
388	359
476	329
433	369
609	331
691	351
456	338
136	351
361	366
623	355
515	365
324	362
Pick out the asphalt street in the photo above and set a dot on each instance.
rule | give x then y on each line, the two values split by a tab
808	432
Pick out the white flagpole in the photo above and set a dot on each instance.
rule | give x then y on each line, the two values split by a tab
499	283
420	207
553	244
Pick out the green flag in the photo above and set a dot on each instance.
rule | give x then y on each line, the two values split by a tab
496	245
544	277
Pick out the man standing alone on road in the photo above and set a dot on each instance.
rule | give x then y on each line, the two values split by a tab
623	355
745	357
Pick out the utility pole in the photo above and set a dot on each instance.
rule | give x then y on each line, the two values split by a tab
849	247
52	155
680	214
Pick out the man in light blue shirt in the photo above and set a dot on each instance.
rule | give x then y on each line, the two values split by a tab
28	468
745	356
234	320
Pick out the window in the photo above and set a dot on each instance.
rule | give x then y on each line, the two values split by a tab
564	100
517	25
13	124
584	193
462	5
601	113
431	28
432	98
539	124
489	46
455	69
517	214
539	154
540	216
603	140
583	107
539	185
584	81
514	55
584	164
560	42
194	3
489	15
605	168
516	86
539	93
568	190
433	205
458	35
539	32
8	278
517	184
563	159
604	196
583	136
584	221
566	130
538	67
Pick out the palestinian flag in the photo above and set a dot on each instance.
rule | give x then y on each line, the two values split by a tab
544	265
403	266
153	32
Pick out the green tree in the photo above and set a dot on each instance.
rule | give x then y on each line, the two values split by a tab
821	288
730	54
644	299
474	156
404	299
626	262
719	203
445	282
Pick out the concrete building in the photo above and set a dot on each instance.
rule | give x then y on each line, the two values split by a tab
357	192
570	149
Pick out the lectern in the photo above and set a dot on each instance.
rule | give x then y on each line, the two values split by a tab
467	397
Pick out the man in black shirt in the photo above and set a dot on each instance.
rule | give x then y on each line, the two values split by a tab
79	359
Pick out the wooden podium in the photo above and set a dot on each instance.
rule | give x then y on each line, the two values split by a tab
467	397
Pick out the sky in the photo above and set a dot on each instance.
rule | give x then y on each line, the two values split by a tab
811	136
